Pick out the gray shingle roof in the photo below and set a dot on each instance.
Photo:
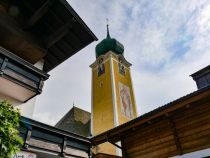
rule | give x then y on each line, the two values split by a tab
76	121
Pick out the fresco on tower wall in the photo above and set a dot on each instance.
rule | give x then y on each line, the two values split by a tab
125	101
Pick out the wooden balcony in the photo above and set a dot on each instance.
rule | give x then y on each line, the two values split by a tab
19	79
51	142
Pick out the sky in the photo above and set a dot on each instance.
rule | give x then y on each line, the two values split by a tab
165	40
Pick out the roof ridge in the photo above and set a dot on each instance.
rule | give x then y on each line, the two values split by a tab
75	107
62	118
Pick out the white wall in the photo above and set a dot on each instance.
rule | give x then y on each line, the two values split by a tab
26	109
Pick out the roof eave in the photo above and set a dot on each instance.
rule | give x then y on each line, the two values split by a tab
76	16
145	118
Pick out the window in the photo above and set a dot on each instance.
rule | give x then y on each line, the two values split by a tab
101	67
202	82
121	67
208	78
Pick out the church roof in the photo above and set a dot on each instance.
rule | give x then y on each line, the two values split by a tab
109	44
76	121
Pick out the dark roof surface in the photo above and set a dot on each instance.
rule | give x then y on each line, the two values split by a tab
77	34
108	44
201	72
76	121
51	27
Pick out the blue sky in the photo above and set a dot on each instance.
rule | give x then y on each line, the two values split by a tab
165	40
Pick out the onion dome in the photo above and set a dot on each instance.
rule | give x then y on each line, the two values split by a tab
109	44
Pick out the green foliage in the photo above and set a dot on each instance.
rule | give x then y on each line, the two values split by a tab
10	142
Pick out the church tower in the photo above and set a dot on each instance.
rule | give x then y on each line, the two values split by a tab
113	101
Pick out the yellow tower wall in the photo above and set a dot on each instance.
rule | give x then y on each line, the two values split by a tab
102	111
126	80
106	104
103	118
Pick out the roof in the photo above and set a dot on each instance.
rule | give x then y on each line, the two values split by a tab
163	110
77	121
201	72
109	44
77	38
48	29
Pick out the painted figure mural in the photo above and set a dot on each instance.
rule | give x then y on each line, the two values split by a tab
125	100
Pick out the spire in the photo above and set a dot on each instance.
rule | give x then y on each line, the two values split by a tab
108	44
107	25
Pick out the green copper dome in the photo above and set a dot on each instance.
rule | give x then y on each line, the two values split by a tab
109	44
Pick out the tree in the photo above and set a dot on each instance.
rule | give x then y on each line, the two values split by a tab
10	141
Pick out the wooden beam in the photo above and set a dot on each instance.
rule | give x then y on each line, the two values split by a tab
44	145
27	139
63	147
175	135
39	13
124	153
57	35
3	66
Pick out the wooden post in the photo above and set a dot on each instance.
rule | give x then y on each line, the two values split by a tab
28	136
63	147
175	135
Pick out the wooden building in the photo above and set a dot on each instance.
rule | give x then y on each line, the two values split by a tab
38	35
179	127
202	77
35	37
50	142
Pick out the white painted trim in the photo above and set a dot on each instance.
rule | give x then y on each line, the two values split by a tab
114	99
91	121
134	98
114	57
96	67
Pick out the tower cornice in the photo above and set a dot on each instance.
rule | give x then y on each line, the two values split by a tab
111	54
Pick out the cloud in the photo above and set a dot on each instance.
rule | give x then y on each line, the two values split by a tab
166	41
46	117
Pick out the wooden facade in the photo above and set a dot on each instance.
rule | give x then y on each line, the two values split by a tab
182	126
35	37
